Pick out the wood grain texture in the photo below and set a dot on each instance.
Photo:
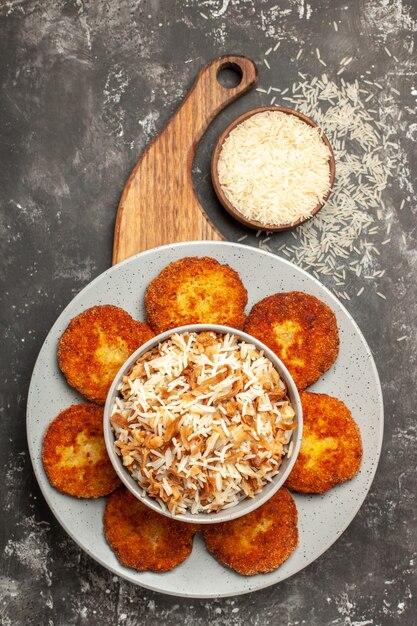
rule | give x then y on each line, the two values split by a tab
158	204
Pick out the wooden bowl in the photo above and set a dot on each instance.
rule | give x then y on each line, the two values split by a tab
234	212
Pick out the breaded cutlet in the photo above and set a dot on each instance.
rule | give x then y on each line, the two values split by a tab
195	290
331	446
74	454
143	539
95	345
258	542
300	329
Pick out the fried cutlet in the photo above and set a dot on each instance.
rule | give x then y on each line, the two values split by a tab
195	290
300	329
74	453
331	446
95	345
143	539
258	542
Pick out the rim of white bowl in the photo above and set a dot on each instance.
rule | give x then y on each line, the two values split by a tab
245	506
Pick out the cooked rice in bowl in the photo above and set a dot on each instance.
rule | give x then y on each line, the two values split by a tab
202	421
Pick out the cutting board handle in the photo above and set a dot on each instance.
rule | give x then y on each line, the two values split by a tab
211	96
158	204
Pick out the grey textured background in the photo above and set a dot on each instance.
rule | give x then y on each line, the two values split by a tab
84	86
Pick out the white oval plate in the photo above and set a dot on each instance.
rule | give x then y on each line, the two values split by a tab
353	379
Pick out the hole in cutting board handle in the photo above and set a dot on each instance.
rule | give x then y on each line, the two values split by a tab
229	75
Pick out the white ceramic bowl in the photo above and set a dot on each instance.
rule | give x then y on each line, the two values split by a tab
248	504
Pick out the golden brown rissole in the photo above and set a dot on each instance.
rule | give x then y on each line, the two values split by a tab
331	446
195	290
258	542
74	453
143	539
95	345
300	329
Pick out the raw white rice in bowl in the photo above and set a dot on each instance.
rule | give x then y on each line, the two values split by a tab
201	420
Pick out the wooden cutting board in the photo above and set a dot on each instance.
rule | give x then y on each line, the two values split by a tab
158	204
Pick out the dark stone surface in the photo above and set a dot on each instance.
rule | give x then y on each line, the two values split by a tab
85	85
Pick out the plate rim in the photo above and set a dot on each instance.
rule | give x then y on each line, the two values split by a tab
240	246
